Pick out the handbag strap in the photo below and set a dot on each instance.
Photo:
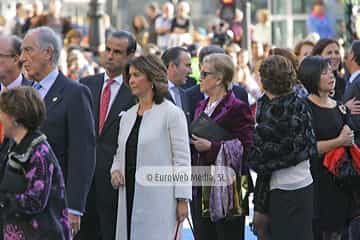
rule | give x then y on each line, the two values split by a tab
178	228
191	227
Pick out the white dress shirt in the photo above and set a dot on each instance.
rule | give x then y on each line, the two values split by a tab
16	83
47	82
175	93
353	76
114	89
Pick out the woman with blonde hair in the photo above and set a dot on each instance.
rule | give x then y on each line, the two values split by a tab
234	118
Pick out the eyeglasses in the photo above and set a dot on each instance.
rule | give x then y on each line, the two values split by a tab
4	55
204	74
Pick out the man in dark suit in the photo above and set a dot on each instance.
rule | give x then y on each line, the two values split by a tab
352	91
69	124
10	77
101	210
178	63
193	94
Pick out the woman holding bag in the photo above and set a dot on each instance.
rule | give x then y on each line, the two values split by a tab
234	117
153	135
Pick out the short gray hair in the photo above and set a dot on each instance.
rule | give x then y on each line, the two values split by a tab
46	37
223	65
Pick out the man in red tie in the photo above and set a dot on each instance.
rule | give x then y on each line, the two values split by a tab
111	98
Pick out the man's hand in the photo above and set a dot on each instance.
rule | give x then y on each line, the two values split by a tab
353	105
75	221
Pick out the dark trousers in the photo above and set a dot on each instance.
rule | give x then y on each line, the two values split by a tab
98	222
291	214
205	229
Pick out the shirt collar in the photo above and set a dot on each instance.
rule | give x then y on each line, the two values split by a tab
49	80
353	76
118	79
171	85
17	82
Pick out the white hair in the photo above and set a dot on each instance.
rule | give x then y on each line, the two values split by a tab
46	37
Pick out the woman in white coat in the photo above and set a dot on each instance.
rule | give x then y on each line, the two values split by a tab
153	133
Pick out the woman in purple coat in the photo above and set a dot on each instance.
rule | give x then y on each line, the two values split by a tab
32	191
222	220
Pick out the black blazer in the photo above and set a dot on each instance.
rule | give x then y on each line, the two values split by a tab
193	96
69	126
184	103
353	90
107	141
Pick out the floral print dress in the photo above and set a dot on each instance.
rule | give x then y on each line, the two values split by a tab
40	211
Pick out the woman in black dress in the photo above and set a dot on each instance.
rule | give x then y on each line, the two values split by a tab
331	205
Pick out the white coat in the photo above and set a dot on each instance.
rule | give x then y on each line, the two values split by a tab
163	141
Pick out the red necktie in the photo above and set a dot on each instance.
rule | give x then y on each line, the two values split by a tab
104	104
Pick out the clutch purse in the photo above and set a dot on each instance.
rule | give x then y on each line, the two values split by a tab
207	128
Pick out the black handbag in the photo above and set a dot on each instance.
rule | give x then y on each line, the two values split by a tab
207	128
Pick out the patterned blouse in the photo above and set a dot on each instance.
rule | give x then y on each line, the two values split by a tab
40	210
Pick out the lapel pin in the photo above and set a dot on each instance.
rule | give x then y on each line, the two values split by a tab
55	99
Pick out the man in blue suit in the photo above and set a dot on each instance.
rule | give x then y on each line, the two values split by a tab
69	124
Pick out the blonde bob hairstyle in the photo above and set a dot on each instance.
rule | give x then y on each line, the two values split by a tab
223	66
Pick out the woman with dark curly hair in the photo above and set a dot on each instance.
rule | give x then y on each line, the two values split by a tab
284	143
287	53
153	133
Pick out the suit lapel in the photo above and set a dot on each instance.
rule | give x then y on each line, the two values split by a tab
120	103
54	95
185	105
350	88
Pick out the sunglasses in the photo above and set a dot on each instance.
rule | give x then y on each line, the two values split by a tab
204	74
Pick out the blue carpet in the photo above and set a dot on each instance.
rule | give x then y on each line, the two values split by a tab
187	234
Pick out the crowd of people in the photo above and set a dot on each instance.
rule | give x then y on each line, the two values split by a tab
79	136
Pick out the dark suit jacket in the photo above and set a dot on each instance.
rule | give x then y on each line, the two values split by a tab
4	147
107	141
190	82
69	127
194	96
184	103
353	90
